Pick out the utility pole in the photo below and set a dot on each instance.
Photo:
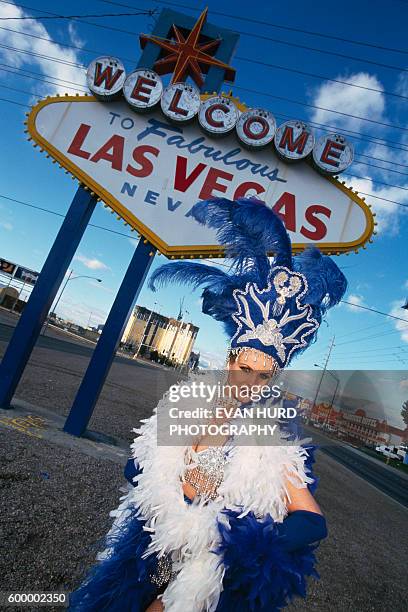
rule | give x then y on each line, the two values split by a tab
323	372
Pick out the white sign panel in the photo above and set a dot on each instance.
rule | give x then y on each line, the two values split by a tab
151	171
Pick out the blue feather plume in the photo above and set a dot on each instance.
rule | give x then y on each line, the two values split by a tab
260	575
249	230
120	582
327	284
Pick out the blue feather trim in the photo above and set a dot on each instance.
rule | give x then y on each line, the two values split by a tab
120	583
260	576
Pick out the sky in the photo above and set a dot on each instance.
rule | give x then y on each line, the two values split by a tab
377	277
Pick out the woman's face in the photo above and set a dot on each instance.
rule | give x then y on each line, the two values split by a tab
244	373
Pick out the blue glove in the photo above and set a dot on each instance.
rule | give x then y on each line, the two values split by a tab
300	528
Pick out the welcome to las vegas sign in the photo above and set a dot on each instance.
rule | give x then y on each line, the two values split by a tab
152	151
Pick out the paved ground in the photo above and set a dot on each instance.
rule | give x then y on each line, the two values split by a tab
56	369
54	511
57	492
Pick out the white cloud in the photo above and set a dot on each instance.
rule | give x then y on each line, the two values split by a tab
371	105
59	68
387	213
91	264
211	361
397	311
6	225
402	84
80	312
358	300
350	100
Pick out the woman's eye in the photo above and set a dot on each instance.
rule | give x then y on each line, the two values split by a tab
245	369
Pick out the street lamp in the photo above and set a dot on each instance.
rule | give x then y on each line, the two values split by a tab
334	394
69	278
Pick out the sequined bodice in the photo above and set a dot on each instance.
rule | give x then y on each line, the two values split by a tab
205	469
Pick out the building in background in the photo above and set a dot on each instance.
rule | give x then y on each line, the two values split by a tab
356	427
149	331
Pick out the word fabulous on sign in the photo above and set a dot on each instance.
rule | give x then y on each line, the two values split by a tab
218	115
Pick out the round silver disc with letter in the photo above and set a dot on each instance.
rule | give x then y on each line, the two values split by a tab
218	115
333	153
180	102
256	127
105	77
143	89
294	140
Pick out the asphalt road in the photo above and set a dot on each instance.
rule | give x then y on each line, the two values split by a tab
385	478
55	339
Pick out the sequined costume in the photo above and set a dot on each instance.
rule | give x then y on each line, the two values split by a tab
234	547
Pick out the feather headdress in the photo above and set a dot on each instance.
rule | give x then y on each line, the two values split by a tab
274	306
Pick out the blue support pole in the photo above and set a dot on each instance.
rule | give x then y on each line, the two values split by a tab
42	296
98	368
108	342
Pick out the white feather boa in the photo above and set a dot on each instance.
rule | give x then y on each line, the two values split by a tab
253	481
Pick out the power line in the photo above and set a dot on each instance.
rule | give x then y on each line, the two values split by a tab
373	337
95	25
356	161
374	310
353	134
17	71
264	23
274	66
371	195
42	56
14	102
386	161
364	178
59	43
319	76
326	52
328	110
363	329
29	93
53	212
378	348
42	17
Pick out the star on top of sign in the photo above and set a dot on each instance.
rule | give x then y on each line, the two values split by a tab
187	56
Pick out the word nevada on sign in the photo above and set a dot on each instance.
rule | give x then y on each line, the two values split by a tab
151	170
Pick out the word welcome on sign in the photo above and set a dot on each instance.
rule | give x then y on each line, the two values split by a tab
151	171
218	115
